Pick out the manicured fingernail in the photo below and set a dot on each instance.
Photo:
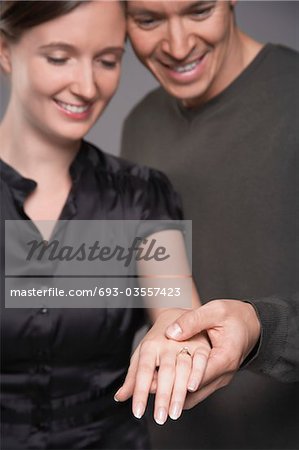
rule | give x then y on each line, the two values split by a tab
139	410
161	416
175	411
174	331
192	386
115	396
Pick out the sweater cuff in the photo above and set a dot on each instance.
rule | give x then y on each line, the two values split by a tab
273	315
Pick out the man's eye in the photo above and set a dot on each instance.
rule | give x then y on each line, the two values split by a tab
57	61
202	14
147	22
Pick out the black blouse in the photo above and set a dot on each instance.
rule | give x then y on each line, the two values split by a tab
61	367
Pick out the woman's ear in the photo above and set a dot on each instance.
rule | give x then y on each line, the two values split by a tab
5	57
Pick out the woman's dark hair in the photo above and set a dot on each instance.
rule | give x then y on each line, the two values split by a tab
18	16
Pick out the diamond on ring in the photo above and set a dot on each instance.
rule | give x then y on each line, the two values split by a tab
184	351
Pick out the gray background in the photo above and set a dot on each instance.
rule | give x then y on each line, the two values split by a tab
267	21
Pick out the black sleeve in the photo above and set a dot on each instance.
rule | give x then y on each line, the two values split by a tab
162	202
277	354
161	208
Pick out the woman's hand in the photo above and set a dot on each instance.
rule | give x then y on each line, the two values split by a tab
166	367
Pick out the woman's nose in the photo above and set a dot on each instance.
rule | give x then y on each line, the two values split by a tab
84	84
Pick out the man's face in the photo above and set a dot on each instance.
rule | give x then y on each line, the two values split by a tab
187	45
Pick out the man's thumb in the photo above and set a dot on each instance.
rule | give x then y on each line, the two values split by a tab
184	327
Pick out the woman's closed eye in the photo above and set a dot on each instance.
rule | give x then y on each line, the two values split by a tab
57	60
109	59
108	63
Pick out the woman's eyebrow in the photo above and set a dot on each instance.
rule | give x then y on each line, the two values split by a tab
118	50
69	47
57	45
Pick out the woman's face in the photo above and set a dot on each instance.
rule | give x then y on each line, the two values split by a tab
65	71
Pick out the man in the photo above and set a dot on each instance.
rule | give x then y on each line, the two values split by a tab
224	128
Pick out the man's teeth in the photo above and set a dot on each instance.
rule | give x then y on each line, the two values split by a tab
186	68
74	108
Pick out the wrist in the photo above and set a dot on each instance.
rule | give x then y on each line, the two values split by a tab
255	326
255	332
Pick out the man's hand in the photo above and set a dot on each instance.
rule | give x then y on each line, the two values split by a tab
233	329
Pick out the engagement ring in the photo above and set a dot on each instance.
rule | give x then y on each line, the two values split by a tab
184	351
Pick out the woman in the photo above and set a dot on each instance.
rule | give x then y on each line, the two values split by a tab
61	367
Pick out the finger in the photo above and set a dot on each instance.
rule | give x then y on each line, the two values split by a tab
166	377
153	388
127	389
194	398
183	369
144	376
199	365
195	321
220	362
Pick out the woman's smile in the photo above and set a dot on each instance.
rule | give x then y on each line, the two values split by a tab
75	111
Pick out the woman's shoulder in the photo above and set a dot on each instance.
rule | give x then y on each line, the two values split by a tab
120	167
146	186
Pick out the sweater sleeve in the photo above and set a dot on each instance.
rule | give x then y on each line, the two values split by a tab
277	353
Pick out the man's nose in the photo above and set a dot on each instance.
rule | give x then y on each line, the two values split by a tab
84	83
179	41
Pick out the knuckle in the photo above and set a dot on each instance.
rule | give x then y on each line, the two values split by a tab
140	392
163	398
129	377
145	368
178	397
193	319
201	354
167	366
221	361
184	362
228	362
140	396
149	345
131	373
220	306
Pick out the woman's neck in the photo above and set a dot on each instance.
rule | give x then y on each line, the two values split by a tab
40	158
33	154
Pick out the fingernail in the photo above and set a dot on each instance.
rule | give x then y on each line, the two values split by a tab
139	410
115	396
174	331
161	416
175	411
192	386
